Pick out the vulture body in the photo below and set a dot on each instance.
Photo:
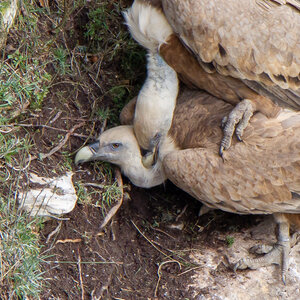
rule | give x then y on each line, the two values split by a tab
259	176
245	52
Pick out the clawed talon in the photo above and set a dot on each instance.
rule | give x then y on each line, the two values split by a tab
278	254
260	249
236	122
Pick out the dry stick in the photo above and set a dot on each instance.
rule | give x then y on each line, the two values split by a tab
68	241
182	212
42	126
56	117
166	255
61	144
53	232
159	230
159	273
114	209
191	269
80	275
96	185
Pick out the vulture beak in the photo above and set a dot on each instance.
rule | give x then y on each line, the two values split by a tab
88	153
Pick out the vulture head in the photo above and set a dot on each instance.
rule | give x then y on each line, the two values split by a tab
119	146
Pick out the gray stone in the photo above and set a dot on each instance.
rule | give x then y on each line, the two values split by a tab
52	196
220	282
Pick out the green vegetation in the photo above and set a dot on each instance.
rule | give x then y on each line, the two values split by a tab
19	251
20	270
229	240
60	58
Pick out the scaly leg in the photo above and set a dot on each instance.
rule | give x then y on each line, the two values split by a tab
236	122
278	254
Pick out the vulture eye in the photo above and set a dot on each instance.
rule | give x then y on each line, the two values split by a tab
115	146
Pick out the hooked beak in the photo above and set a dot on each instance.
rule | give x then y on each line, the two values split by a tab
87	153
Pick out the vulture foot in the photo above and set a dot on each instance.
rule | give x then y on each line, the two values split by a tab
236	122
278	255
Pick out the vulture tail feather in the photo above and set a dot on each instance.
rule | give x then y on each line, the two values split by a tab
147	25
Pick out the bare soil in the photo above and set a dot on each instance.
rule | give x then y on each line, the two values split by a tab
123	261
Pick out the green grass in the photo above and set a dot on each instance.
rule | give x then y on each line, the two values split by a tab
108	195
229	241
108	37
20	257
61	62
44	59
19	251
24	84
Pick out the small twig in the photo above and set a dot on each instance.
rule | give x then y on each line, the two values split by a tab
182	212
96	82
113	228
80	275
42	126
166	255
60	145
68	241
96	185
159	273
85	262
114	209
159	230
28	161
56	117
7	131
53	232
58	218
191	269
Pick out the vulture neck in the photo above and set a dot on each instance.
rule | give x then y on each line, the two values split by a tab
141	176
156	102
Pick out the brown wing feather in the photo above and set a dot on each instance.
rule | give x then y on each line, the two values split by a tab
197	119
261	175
252	40
236	185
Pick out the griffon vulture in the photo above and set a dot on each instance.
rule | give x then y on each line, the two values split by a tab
259	176
245	52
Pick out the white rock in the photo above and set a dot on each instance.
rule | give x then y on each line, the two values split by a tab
54	196
215	281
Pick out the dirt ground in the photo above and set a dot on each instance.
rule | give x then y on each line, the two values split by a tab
144	252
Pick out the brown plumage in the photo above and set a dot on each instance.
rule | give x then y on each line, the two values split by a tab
254	40
235	50
267	164
259	176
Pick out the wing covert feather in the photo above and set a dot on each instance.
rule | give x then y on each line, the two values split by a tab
247	182
255	40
